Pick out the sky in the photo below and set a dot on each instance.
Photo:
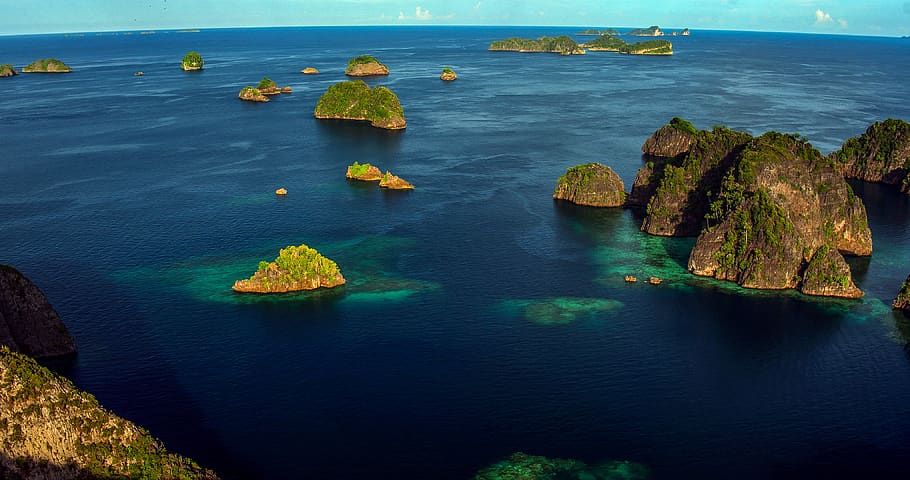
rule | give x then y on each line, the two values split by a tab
855	17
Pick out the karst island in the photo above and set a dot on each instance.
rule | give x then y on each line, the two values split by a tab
355	100
881	155
7	70
192	61
365	66
296	268
609	43
47	65
562	45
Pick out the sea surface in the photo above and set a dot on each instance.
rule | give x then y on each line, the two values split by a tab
480	317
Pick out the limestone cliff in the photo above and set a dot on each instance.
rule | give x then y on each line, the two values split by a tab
902	301
51	430
28	322
770	212
591	184
296	268
882	155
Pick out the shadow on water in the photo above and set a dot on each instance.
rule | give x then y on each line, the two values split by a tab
143	372
361	135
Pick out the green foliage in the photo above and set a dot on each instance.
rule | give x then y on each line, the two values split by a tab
683	125
607	42
644	32
46	64
358	169
6	70
580	174
193	60
758	231
297	263
266	83
650	47
563	45
823	271
879	143
363	60
249	91
356	100
447	70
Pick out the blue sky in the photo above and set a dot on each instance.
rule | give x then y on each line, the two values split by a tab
877	17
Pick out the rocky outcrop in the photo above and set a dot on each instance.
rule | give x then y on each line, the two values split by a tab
671	140
652	31
357	101
394	183
47	65
296	268
51	430
902	301
310	71
28	322
365	66
252	94
281	191
363	172
881	155
591	184
191	62
770	212
562	45
7	70
448	75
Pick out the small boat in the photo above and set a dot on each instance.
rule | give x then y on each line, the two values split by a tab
138	74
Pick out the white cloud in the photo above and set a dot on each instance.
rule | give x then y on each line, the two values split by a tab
823	18
419	14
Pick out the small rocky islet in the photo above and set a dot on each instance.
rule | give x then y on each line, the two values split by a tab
261	92
880	155
295	269
192	62
591	184
310	71
370	173
902	301
47	65
7	70
448	74
355	100
365	66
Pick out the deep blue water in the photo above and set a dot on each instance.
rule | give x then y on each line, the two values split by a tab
134	202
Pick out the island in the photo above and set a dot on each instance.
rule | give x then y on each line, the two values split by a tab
652	31
684	32
521	466
7	70
591	184
881	155
769	212
394	183
609	43
902	301
354	100
310	71
50	429
192	61
296	268
365	66
363	172
47	65
28	322
267	86
448	74
252	94
562	45
592	32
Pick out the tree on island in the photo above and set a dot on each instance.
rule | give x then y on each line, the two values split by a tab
192	61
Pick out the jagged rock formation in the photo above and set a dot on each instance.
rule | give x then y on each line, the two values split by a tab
448	74
310	71
562	45
357	101
881	155
770	212
192	61
252	94
671	140
363	172
652	31
47	65
51	430
28	323
591	184
7	70
394	183
365	66
296	268
902	301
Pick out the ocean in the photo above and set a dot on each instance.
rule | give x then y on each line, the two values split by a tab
480	317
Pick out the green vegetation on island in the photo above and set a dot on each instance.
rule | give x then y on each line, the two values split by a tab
364	172
50	429
252	94
296	268
562	45
591	184
355	100
521	466
365	65
652	31
47	65
610	43
448	74
192	61
881	154
7	70
593	32
770	212
267	83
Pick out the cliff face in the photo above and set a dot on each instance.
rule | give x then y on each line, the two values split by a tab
591	184
51	430
770	212
882	155
902	301
28	323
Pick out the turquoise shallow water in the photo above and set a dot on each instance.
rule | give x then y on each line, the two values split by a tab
480	318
